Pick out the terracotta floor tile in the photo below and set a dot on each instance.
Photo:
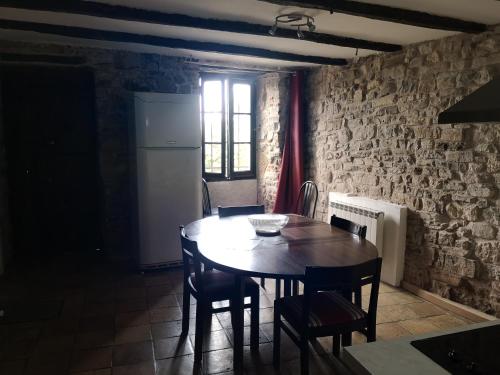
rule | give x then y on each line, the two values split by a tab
22	332
128	305
97	339
192	300
54	367
263	338
266	315
133	353
92	309
419	326
425	309
96	323
215	340
91	359
163	301
125	335
390	331
447	321
130	319
165	314
218	361
17	350
13	367
152	280
105	371
130	293
165	330
147	368
161	290
172	347
179	366
394	298
395	313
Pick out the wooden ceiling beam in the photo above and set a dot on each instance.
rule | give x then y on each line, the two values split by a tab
386	13
123	13
151	40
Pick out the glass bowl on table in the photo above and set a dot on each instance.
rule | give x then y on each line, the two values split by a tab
268	224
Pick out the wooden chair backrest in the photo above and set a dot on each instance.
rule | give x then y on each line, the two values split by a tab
206	204
307	200
191	257
349	226
343	280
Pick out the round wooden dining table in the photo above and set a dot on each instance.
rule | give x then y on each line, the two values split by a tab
230	244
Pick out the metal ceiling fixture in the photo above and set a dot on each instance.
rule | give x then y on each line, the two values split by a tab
295	20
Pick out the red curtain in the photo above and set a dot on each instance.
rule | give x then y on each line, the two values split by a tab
292	162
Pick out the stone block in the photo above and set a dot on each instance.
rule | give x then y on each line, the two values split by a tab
483	230
460	156
480	190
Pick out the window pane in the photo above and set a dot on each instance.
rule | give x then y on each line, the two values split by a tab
212	96
241	128
213	158
213	127
241	98
241	157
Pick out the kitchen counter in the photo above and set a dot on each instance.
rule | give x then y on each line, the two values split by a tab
398	357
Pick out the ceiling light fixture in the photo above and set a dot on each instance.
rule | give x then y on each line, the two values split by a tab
295	20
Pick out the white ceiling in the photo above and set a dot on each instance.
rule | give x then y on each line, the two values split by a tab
483	11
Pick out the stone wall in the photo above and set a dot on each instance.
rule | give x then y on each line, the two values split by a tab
272	120
372	130
116	74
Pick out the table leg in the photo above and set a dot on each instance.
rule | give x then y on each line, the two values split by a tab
238	311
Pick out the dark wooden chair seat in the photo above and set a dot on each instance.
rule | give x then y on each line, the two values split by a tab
219	286
329	311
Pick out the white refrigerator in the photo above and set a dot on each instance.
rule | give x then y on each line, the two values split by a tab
166	178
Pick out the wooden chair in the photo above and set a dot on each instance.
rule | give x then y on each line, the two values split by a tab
207	287
243	210
307	200
240	210
325	308
350	226
358	230
207	206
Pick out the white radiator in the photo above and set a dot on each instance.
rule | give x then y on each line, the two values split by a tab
386	228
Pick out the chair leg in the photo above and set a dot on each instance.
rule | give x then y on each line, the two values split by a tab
357	296
254	321
276	337
372	332
304	356
263	282
186	303
347	339
336	345
199	332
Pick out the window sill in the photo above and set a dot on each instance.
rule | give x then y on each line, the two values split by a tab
224	179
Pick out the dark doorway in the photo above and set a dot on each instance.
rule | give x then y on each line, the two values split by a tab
50	133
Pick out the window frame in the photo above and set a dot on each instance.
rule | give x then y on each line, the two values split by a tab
227	128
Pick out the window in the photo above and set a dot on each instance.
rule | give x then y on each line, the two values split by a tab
228	128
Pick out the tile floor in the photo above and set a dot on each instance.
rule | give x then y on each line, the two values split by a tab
88	317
